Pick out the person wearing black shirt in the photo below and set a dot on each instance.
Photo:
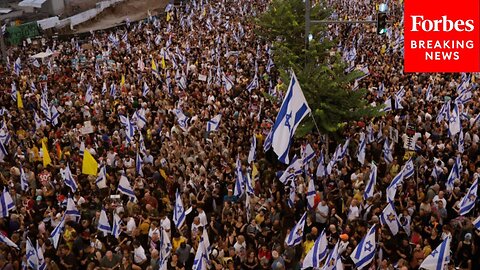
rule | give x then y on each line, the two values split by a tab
68	261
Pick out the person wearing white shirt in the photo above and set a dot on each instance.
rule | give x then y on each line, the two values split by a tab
202	216
353	211
165	224
131	225
139	256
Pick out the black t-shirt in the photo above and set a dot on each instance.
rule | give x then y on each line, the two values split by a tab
69	260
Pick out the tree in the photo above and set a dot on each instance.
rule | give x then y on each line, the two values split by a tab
319	68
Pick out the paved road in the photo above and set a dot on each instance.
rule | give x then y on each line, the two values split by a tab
132	9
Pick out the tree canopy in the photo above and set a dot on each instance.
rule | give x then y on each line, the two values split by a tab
319	68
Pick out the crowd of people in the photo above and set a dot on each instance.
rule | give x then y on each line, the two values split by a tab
167	104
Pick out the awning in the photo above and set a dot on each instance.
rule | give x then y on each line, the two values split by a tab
5	10
32	3
42	55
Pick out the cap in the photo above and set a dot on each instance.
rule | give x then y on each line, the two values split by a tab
344	237
468	236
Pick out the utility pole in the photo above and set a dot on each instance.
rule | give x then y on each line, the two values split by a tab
3	48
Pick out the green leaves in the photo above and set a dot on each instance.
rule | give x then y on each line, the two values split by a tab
319	69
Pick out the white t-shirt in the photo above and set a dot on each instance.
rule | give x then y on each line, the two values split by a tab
436	199
131	225
353	212
203	218
139	255
165	224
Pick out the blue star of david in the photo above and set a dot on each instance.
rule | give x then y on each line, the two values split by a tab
452	119
471	197
409	167
368	246
179	209
299	232
288	116
30	253
435	252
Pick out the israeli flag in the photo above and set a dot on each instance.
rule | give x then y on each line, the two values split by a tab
7	241
226	82
267	144
292	193
182	119
13	92
23	179
439	258
387	152
334	260
248	183
55	115
38	121
69	180
370	188
253	84
214	123
101	180
294	169
344	151
89	95
103	224
468	201
294	108
429	94
307	153
165	249
444	113
476	223
200	261
317	253
145	89
311	194
321	166
454	124
104	88
113	90
389	217
392	188
31	254
138	164
72	210
139	118
408	169
239	186
296	234
125	188
117	225
179	211
57	233
17	67
6	203
461	142
253	149
362	149
455	173
364	253
387	105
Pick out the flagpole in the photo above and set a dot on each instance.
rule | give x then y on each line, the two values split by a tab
319	133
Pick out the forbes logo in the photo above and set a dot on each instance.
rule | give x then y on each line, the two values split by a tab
441	25
441	36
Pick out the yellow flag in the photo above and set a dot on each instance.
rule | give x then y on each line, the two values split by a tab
122	82
168	16
46	155
19	100
163	63
254	171
154	66
89	165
